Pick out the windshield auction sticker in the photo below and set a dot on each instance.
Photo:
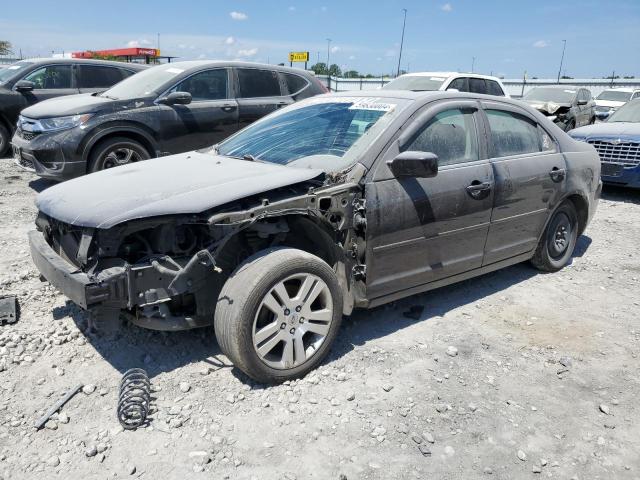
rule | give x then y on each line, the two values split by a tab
372	104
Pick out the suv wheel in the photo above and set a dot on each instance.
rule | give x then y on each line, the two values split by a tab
278	314
558	241
114	152
4	140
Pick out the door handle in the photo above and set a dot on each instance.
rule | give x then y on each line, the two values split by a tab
479	190
228	108
557	174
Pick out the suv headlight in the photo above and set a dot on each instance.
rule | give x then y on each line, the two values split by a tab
60	123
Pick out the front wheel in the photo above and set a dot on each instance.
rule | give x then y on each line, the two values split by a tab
5	139
278	314
558	241
115	152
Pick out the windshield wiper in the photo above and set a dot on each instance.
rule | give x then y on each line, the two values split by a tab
248	156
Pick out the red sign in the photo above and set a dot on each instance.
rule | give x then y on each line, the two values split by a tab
119	52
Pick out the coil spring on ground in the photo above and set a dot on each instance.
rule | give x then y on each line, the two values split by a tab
134	398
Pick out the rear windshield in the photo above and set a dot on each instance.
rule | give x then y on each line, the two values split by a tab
326	133
629	112
11	71
143	83
415	83
614	96
558	95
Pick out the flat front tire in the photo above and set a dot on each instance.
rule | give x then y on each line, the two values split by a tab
559	239
278	314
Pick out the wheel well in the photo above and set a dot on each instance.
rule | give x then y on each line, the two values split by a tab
141	139
582	209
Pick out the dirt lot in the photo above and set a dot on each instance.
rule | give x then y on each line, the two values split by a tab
543	381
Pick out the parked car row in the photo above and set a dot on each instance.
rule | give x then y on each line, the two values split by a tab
611	99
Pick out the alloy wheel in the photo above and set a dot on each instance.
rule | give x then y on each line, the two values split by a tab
120	156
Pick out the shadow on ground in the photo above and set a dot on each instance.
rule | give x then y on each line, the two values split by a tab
40	184
159	352
621	194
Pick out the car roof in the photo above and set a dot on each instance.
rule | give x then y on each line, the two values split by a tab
448	75
90	61
422	96
621	89
194	64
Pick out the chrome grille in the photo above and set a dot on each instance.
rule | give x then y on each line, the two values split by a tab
626	153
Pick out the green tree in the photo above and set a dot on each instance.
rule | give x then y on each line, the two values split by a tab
351	74
334	70
5	47
319	68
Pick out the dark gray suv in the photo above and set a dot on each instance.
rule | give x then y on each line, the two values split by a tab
166	109
30	81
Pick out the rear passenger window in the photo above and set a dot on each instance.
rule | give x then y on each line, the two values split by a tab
51	77
94	76
493	88
125	73
512	134
295	83
207	85
476	85
258	83
459	84
451	135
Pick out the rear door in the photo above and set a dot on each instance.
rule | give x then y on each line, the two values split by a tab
530	175
258	93
97	78
50	81
420	230
211	116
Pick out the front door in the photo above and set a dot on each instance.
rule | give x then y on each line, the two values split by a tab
49	82
420	230
259	93
211	116
529	176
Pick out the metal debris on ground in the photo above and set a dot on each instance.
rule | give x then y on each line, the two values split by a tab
414	312
9	309
134	399
57	406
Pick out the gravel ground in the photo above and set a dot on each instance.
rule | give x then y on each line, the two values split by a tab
511	375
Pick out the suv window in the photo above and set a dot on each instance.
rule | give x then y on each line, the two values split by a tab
126	73
98	76
207	85
51	77
512	134
459	84
493	88
451	135
476	85
295	83
258	83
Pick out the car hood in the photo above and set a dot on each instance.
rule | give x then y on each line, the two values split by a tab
609	103
66	105
609	130
187	183
549	107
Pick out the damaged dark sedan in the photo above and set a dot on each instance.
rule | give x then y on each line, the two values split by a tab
566	107
337	202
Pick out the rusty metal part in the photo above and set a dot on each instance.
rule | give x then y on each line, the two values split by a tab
134	399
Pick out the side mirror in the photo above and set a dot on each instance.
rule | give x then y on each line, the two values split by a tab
582	102
414	164
176	98
25	86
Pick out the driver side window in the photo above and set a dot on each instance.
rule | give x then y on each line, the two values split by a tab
51	77
204	86
451	135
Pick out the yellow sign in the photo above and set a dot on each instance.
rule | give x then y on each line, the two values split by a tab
298	56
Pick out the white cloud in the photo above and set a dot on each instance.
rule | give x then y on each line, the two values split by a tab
247	52
335	49
352	57
202	56
133	44
324	9
238	15
292	8
229	41
541	44
446	7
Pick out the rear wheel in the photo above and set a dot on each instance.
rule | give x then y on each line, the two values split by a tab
558	241
115	152
278	314
5	139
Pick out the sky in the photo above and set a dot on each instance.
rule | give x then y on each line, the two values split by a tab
506	38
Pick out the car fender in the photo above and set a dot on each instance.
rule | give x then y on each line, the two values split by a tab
105	130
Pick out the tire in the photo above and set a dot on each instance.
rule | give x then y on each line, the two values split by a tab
5	140
246	306
558	240
114	152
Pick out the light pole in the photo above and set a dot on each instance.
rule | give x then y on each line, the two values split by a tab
404	23
328	53
473	63
564	45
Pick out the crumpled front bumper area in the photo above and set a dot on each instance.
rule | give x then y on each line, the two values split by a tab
110	288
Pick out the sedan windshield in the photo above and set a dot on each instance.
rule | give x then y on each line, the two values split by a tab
12	71
557	95
143	83
629	112
415	83
614	96
326	133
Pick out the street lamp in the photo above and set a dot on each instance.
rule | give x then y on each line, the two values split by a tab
404	22
564	45
328	53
